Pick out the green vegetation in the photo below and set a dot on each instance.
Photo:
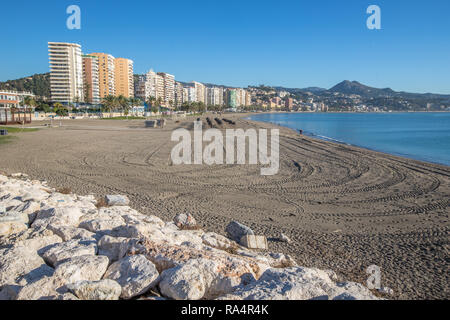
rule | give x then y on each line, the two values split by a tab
38	84
18	129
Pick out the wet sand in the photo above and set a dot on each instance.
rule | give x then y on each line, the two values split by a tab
344	208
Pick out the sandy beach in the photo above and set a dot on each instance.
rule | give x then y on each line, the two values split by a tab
344	208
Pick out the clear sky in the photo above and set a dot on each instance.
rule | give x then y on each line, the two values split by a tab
297	44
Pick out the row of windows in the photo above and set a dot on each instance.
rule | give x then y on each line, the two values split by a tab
7	97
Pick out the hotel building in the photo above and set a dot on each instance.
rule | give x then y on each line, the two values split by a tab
106	73
124	77
66	72
91	80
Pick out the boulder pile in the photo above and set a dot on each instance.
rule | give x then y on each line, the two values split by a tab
71	247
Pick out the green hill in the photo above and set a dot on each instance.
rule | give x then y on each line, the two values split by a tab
38	84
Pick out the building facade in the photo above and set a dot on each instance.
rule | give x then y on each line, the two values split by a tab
231	98
91	80
66	72
214	96
168	82
189	94
179	94
9	99
200	91
124	77
106	73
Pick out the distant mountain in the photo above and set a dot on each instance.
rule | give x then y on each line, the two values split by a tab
38	84
314	89
354	87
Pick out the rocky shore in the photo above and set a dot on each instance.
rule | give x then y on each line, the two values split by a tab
69	247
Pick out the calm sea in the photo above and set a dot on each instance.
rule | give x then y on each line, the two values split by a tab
422	136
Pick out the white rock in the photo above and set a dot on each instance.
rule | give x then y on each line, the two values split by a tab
45	288
184	282
65	216
69	233
19	175
185	221
13	216
96	290
198	279
135	274
20	262
352	291
117	200
254	242
386	290
28	207
69	249
284	238
103	226
298	284
8	228
217	241
112	247
81	268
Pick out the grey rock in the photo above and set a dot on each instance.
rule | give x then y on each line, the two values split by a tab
96	290
237	230
73	248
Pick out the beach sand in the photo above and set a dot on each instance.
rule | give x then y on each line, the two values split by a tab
344	208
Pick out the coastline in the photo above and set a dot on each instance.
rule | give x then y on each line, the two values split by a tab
344	207
334	140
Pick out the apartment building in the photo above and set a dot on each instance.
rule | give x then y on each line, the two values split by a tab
200	91
106	73
179	94
9	99
189	94
90	79
231	98
124	77
66	72
168	82
214	96
289	103
248	98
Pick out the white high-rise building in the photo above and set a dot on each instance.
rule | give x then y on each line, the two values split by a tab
200	91
66	72
168	81
189	94
214	96
149	85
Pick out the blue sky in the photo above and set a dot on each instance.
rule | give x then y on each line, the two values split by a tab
239	43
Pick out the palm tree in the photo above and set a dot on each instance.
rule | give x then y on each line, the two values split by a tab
124	104
29	101
109	103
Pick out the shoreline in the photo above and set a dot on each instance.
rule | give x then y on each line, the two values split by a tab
333	140
343	207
